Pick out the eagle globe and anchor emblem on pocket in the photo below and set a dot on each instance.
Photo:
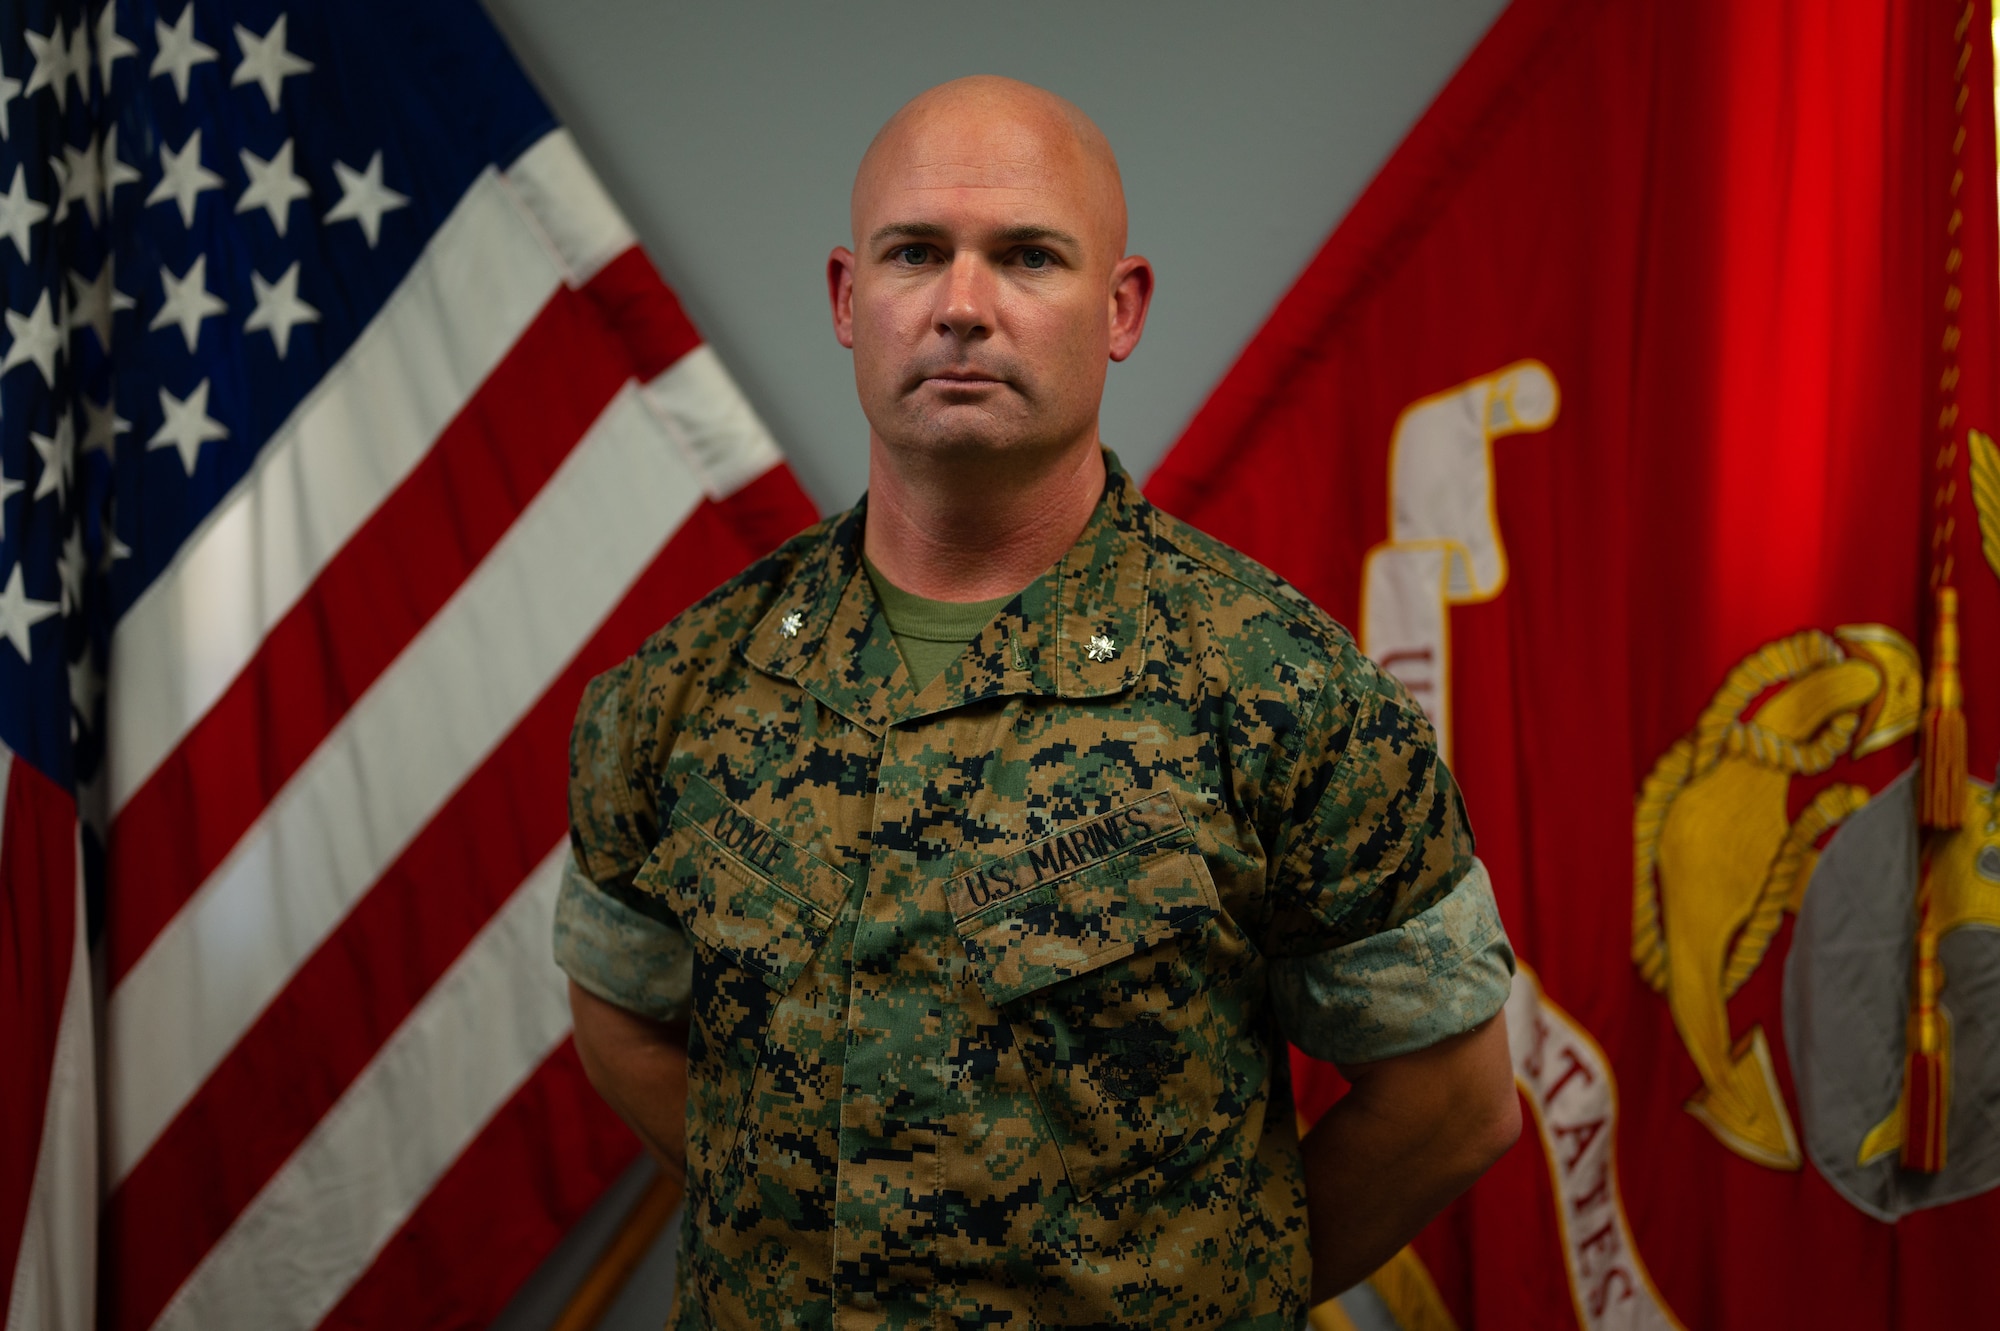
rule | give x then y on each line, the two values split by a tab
1136	1058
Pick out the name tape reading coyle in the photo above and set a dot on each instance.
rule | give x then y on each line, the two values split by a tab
1119	830
748	838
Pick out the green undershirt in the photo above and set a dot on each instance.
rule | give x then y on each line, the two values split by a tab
930	634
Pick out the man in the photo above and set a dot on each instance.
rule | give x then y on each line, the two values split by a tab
946	885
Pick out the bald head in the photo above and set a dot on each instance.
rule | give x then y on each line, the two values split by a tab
991	132
988	288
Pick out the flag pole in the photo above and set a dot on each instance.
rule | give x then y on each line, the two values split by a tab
613	1269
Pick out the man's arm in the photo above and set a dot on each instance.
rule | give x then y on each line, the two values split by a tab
640	1067
1412	1134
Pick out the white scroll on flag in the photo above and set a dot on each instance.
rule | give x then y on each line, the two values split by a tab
1444	545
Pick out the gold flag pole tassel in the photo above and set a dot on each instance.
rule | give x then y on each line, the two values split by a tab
1914	1130
1927	1056
1941	801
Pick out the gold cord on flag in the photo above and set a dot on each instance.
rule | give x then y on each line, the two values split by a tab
1943	750
1940	799
1943	753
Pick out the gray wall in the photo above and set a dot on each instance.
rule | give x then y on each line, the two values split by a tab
728	130
729	133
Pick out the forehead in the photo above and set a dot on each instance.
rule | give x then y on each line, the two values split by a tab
953	164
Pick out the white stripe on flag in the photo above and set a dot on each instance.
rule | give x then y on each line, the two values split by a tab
384	772
714	424
322	1219
480	282
577	217
55	1272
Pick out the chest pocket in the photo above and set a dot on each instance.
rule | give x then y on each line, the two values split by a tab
758	908
1121	980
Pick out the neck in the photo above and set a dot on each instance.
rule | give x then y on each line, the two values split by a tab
970	529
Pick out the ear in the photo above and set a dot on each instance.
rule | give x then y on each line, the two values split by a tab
1131	297
840	292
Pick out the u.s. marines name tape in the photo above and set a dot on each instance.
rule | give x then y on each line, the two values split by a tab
1055	857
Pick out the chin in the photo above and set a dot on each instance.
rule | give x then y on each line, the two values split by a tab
967	430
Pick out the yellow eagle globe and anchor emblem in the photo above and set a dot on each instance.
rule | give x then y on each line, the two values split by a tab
1718	860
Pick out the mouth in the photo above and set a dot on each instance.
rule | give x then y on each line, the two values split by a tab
961	379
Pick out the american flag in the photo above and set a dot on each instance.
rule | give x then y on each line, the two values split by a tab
344	432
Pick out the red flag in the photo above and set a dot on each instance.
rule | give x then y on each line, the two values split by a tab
1626	420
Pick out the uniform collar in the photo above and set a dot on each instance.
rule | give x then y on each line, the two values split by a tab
1077	631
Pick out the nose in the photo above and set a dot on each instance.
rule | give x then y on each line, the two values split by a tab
965	298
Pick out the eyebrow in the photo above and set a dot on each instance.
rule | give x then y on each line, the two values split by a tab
1025	234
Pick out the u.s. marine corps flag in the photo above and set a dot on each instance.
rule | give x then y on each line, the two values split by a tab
1637	418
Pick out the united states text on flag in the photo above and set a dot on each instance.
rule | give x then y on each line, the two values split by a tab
345	432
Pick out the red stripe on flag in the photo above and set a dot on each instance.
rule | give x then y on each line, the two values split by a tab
752	522
642	312
37	939
499	1210
376	595
307	1047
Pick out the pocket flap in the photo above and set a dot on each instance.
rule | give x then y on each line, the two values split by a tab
741	888
1090	895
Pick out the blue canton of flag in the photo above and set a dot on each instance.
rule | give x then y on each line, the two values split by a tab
198	219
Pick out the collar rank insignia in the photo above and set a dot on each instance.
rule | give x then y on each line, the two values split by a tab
790	624
1101	648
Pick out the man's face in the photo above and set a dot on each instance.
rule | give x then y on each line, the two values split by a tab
983	300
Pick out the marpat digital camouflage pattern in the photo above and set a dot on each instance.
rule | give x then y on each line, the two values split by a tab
989	983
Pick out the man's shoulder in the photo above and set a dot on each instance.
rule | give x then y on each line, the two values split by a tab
714	625
1256	618
682	658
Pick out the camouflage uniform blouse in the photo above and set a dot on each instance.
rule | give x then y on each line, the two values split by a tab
989	983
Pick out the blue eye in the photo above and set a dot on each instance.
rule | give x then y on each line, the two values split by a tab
1034	258
914	254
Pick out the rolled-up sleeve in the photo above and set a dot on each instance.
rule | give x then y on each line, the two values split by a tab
1438	974
630	958
1383	934
611	938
